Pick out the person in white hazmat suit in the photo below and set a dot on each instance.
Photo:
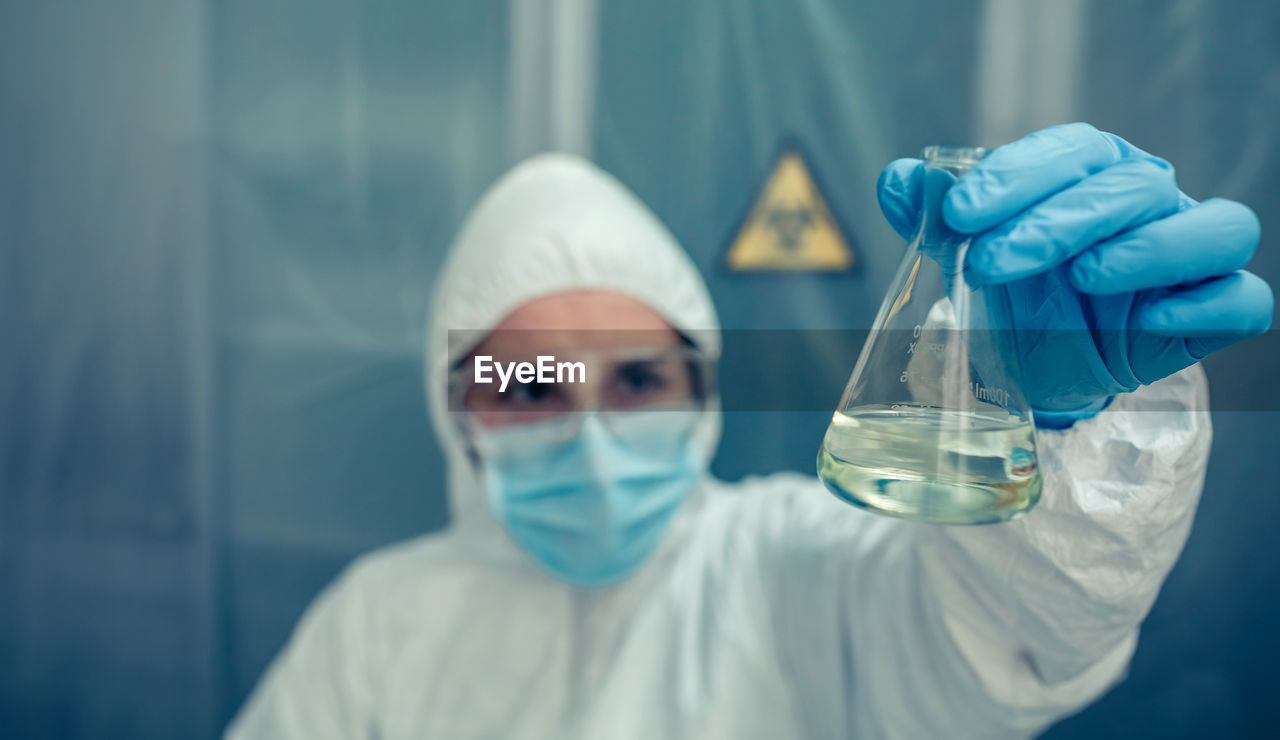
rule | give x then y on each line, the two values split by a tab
596	582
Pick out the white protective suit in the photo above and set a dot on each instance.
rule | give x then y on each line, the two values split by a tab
770	609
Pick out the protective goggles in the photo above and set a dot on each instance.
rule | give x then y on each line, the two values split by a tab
667	386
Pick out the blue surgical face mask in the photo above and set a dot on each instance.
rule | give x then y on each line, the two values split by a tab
589	508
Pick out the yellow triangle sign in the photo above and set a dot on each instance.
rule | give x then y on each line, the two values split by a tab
790	226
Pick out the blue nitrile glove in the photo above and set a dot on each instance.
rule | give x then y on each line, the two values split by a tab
1115	277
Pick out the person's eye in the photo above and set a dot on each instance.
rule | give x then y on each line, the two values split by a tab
530	395
639	379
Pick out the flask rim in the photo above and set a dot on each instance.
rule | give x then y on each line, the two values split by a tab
952	156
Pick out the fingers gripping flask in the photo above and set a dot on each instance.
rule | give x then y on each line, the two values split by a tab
933	425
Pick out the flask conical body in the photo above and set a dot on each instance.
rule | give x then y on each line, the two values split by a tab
933	425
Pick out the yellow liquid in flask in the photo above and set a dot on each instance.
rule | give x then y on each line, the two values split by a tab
932	465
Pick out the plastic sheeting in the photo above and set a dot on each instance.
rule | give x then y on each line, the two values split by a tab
220	221
350	139
106	577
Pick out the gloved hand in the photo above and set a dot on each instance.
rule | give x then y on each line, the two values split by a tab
1115	277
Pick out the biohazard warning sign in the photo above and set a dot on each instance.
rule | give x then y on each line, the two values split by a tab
790	228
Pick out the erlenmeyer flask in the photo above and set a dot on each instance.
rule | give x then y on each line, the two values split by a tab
933	425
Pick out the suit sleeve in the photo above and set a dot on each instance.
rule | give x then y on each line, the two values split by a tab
1046	610
993	631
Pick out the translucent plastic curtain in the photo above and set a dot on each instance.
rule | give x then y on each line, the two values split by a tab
1199	84
106	538
219	223
351	137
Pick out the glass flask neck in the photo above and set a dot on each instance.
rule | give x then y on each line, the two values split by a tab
943	166
955	159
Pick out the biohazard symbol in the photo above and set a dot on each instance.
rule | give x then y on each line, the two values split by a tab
790	227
